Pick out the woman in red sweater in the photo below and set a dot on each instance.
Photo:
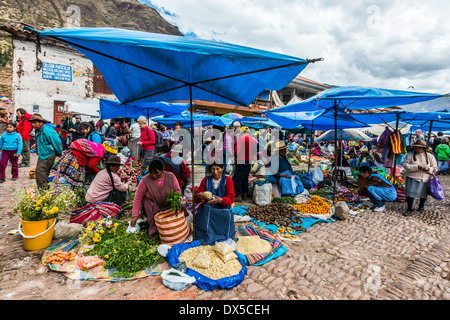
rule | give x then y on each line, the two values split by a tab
147	142
215	221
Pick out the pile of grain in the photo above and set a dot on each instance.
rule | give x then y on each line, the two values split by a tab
212	266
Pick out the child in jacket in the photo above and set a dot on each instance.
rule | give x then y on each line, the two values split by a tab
11	147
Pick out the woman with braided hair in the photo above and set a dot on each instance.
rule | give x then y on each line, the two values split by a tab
420	165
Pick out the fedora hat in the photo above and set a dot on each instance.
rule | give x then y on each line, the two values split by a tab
37	117
114	160
420	143
280	145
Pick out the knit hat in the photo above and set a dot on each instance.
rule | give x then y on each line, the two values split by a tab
142	119
115	160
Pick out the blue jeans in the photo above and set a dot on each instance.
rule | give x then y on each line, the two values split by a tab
376	202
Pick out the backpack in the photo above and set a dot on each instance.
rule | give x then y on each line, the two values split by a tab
159	140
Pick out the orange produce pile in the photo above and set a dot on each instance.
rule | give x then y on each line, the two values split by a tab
59	257
315	205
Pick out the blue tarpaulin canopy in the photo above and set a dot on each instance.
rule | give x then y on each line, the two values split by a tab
110	109
199	120
357	98
314	120
149	67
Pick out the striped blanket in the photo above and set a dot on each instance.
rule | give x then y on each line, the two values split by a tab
278	248
89	148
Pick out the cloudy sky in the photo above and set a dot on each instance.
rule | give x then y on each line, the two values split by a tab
396	44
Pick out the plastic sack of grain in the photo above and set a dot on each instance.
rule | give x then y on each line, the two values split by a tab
203	282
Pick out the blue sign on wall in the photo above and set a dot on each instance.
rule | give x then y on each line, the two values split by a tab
53	71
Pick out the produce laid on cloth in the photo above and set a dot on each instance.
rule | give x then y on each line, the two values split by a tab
130	171
227	275
315	205
59	257
252	245
206	261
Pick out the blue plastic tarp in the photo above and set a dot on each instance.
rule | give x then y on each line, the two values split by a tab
199	120
314	120
202	281
407	117
149	67
356	98
110	109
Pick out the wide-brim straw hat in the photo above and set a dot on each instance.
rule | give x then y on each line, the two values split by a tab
420	143
280	145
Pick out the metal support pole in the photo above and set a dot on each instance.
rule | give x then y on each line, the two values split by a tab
395	156
429	133
192	161
335	153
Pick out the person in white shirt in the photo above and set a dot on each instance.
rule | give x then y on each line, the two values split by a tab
135	138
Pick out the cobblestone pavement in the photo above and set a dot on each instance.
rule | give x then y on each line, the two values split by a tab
381	256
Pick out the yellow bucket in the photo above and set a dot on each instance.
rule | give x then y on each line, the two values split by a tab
37	234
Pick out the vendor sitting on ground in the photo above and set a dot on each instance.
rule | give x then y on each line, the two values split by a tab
151	194
101	187
215	220
279	168
376	187
365	159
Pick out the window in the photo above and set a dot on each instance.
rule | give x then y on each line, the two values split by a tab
100	85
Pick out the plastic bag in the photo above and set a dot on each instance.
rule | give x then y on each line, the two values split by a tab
176	280
262	194
317	175
222	248
134	229
435	188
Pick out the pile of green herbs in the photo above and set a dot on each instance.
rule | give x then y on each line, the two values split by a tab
128	253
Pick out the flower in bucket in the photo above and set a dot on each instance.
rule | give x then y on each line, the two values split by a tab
43	204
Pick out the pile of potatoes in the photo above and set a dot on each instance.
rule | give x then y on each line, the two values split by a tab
273	213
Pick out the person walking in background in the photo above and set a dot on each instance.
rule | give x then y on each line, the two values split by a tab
11	147
4	121
66	125
442	153
48	146
245	154
24	128
76	131
133	142
147	142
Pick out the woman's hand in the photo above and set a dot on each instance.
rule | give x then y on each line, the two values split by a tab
215	200
133	221
285	176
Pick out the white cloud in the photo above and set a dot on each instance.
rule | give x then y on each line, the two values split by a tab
388	44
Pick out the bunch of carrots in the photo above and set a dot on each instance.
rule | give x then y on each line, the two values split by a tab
59	257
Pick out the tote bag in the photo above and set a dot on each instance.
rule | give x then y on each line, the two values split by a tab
435	188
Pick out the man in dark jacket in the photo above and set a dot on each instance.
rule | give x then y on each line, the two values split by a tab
24	128
76	132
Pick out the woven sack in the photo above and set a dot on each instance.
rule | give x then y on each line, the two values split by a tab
172	228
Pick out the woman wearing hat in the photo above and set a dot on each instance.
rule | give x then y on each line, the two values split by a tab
102	186
364	159
419	165
280	168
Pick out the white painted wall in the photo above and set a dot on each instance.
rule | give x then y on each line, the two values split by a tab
29	88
